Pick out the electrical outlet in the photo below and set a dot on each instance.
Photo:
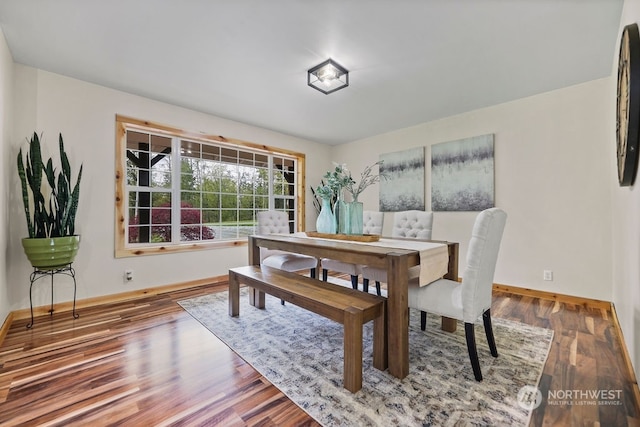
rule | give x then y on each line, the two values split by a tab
547	275
128	276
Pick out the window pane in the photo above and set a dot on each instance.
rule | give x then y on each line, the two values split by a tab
246	202
160	234
261	203
228	217
190	174
189	215
229	180
190	199
229	155
211	152
161	216
246	180
211	216
229	201
245	216
160	199
210	200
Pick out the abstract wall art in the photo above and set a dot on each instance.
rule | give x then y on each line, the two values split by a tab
462	176
403	188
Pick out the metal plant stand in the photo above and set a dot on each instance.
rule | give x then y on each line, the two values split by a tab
39	274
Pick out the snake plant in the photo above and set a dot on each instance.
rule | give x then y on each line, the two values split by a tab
54	207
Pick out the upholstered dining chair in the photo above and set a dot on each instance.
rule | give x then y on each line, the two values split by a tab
407	224
371	224
271	222
469	300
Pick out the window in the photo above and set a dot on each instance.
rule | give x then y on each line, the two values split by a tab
179	191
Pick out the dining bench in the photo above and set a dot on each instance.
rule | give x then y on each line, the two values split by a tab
347	306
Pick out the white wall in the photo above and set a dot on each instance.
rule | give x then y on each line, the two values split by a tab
6	99
553	176
626	233
85	114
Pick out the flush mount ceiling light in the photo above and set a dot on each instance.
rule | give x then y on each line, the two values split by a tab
328	77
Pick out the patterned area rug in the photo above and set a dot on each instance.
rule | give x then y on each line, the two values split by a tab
301	354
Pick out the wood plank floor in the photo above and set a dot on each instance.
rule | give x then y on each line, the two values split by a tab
147	362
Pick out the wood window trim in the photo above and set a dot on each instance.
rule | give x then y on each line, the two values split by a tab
123	123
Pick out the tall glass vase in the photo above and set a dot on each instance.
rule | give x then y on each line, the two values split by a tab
326	222
355	221
340	211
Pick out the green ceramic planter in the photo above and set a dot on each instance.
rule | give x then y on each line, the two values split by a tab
51	253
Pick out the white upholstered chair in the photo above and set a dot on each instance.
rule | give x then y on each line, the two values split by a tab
271	222
371	224
406	224
469	300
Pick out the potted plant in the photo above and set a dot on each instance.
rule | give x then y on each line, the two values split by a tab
50	206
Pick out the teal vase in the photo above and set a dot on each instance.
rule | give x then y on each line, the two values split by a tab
340	212
355	217
326	222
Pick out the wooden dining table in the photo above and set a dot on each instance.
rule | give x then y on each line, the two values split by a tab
395	260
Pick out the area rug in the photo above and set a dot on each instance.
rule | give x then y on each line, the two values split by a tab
301	354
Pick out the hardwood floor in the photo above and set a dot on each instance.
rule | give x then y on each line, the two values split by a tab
586	357
147	362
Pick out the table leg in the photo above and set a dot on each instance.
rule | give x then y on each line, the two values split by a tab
234	295
448	324
398	314
254	259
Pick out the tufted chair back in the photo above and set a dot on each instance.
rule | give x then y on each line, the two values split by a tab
412	224
482	256
277	222
372	222
272	222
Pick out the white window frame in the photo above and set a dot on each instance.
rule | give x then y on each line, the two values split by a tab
124	249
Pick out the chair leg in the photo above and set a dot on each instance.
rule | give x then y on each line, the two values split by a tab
324	274
423	320
469	332
354	282
313	273
365	284
378	288
488	330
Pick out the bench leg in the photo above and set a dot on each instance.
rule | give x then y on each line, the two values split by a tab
380	342
353	349
256	298
234	295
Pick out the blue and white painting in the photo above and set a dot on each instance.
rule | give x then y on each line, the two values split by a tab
403	188
462	174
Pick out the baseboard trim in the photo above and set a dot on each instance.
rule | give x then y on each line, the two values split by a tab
6	326
627	358
553	296
25	313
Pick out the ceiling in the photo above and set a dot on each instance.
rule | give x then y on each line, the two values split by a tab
410	61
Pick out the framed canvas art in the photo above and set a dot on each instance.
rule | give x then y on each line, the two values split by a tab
462	176
403	188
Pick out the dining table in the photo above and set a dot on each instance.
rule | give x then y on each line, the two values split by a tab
396	255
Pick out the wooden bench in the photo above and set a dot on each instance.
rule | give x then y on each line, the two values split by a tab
347	306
